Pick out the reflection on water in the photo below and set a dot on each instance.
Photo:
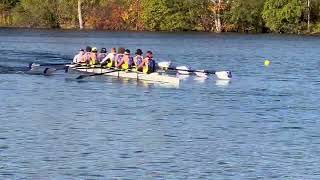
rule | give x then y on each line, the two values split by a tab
220	82
200	79
183	77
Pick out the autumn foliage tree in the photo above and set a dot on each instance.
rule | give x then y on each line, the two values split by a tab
285	16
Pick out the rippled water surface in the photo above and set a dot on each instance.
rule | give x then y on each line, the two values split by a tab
263	124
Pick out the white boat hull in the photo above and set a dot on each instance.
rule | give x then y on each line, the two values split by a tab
153	77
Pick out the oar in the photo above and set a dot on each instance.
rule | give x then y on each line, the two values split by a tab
96	74
66	68
226	75
48	64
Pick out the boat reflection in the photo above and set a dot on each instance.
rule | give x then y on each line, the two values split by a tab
220	82
200	79
183	76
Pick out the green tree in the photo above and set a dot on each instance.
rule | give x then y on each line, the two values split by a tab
6	7
245	15
201	17
154	13
67	13
178	16
283	16
37	13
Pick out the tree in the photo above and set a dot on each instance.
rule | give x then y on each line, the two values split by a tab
201	16
245	15
283	15
6	7
80	14
37	13
217	7
154	13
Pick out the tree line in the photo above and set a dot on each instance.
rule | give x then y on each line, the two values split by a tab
280	16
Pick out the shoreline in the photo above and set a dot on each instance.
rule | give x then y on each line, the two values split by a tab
146	31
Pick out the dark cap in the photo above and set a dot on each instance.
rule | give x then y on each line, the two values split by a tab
139	52
103	50
127	51
88	49
149	54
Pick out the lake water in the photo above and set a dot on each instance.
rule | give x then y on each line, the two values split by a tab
264	124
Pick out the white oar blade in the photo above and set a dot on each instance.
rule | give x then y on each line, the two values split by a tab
225	75
201	74
183	70
164	65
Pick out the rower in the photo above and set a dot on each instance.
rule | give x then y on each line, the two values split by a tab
86	56
138	58
119	56
126	62
94	57
102	54
148	65
77	58
110	58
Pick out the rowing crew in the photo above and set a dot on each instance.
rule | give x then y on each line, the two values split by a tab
121	59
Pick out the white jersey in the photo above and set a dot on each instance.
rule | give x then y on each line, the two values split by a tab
110	56
77	58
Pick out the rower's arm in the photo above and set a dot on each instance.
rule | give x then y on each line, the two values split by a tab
141	65
120	63
104	59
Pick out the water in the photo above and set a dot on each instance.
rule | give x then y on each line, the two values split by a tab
261	125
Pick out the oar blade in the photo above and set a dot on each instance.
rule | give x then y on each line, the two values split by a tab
201	74
224	75
164	65
183	70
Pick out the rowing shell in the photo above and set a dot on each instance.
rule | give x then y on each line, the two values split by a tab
153	77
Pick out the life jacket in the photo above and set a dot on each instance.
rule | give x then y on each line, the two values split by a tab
128	63
93	59
111	62
101	56
138	60
86	57
118	58
149	67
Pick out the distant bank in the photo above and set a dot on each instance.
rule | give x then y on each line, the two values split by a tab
108	30
242	16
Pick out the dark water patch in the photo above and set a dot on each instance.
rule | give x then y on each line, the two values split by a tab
292	128
124	156
170	136
7	174
85	154
139	151
4	147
